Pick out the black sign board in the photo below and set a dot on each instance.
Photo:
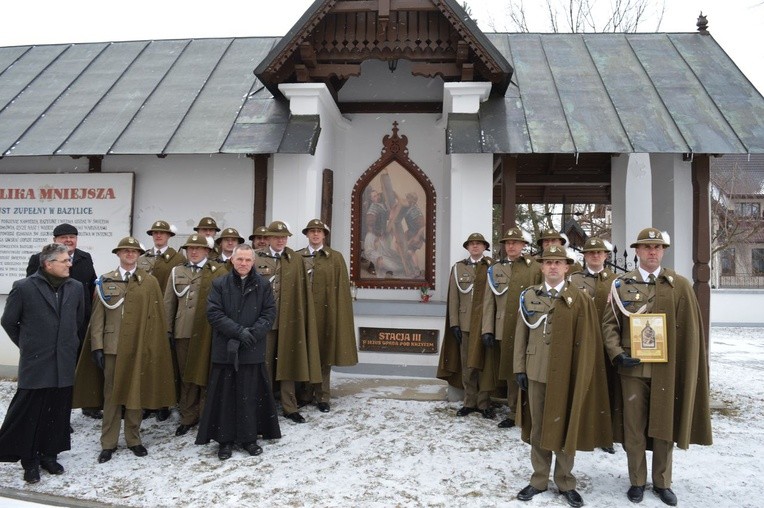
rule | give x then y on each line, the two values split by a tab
398	340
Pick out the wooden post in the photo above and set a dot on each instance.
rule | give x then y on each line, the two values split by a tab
261	190
508	186
701	240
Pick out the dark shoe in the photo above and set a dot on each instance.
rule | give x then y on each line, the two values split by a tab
51	466
528	492
253	448
573	498
139	450
464	411
295	417
323	407
146	413
32	475
182	429
666	495
225	451
635	493
105	455
488	413
96	414
506	423
163	414
608	449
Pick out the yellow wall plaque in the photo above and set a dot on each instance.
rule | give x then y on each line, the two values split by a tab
648	337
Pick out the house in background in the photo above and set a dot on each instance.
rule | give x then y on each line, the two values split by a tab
738	221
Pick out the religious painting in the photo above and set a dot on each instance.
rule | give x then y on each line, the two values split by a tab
393	222
648	337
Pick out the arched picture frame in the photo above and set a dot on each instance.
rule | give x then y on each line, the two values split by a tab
393	222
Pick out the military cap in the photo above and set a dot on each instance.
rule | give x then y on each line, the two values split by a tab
162	227
595	244
64	229
207	223
278	228
551	234
129	242
315	224
652	236
517	234
229	233
555	252
477	237
260	231
196	240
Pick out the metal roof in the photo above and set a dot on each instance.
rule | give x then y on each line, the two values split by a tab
571	93
616	93
147	97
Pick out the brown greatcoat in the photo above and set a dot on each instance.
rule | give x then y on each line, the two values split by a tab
330	288
197	368
299	358
576	408
450	362
143	375
679	394
160	266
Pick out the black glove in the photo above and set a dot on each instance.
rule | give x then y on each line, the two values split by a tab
489	340
627	361
171	339
522	380
247	339
457	333
98	358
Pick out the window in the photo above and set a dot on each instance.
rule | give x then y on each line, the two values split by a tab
728	261
757	261
748	209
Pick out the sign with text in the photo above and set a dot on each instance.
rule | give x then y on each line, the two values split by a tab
99	205
396	340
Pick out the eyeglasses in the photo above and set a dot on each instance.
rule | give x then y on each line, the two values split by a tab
67	260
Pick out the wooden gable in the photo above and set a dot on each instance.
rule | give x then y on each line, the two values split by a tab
333	37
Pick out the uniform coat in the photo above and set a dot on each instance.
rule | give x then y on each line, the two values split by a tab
576	407
137	333
46	326
160	266
330	289
187	316
679	396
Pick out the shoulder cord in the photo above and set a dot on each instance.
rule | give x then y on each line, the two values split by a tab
102	297
524	311
492	284
180	294
462	291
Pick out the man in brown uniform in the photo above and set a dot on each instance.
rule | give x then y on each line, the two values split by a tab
558	362
225	243
663	403
159	260
127	342
466	290
293	338
259	238
185	301
330	288
595	281
551	237
209	228
506	280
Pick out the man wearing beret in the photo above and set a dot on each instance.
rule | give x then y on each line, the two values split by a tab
466	290
330	289
559	367
507	277
126	359
293	339
665	402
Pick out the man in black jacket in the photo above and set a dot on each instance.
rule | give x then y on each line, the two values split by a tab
44	316
240	403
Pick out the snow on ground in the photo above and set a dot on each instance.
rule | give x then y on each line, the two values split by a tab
396	442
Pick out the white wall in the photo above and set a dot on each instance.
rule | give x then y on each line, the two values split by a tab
737	307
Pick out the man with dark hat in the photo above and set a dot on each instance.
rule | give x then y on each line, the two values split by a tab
126	359
558	363
185	301
159	260
293	338
259	238
507	277
82	270
466	290
551	237
225	243
43	316
665	402
329	285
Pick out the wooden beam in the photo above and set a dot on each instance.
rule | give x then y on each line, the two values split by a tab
342	71
302	72
468	72
701	238
430	70
308	54
373	6
390	107
508	200
327	200
261	190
